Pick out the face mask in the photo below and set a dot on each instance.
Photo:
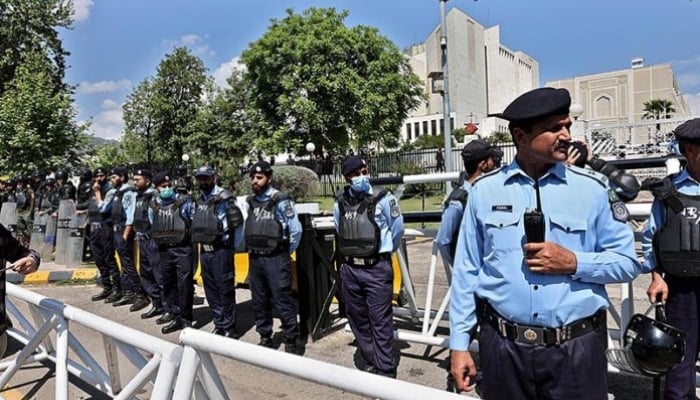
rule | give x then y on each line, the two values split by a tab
360	183
166	193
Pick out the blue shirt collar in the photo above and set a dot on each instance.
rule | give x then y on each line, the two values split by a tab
556	170
684	176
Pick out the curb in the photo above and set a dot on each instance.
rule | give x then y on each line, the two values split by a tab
41	277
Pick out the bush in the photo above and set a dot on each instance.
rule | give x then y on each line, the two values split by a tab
299	182
407	168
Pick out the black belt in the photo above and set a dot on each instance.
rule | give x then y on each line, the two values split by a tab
368	261
538	335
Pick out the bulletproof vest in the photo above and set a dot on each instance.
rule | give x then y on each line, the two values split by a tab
263	232
84	192
206	227
93	212
168	225
358	232
22	200
677	243
459	195
117	208
45	200
66	192
141	221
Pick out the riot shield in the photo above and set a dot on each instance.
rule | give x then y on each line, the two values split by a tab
49	239
66	211
8	217
75	240
38	231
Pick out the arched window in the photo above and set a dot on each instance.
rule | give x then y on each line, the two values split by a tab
603	106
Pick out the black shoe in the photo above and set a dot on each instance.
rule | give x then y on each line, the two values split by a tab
154	311
165	318
266	341
290	346
102	295
140	302
128	298
231	333
173	326
114	296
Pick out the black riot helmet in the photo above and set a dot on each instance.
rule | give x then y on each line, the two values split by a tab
655	345
61	174
85	175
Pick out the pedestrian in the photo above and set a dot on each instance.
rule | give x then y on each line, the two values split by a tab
440	161
217	227
369	227
538	243
670	244
171	215
272	233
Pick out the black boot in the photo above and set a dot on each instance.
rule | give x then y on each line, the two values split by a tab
291	346
140	302
128	298
266	341
174	325
102	295
165	318
115	296
154	311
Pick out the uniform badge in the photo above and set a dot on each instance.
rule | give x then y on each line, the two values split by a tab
126	201
620	211
395	212
289	210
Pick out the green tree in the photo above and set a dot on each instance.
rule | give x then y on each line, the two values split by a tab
429	142
498	137
658	109
311	78
141	123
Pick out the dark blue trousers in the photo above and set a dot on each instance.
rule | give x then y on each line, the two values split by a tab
220	286
367	292
576	369
270	280
178	283
151	275
130	277
683	312
102	247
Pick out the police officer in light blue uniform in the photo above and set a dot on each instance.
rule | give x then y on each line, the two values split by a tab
217	225
539	297
671	247
479	157
369	227
272	233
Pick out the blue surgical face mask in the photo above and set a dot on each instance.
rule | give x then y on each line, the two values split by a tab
167	193
360	183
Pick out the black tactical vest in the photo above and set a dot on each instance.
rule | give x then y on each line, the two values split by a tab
45	200
263	232
358	232
67	191
206	227
141	221
459	195
117	209
169	228
22	200
677	243
84	191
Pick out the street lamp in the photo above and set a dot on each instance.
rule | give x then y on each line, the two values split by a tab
185	158
578	126
445	94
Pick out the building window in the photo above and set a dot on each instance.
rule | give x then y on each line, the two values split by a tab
408	132
433	127
416	129
452	124
425	127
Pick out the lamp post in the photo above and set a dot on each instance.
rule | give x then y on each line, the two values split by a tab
445	93
578	126
185	159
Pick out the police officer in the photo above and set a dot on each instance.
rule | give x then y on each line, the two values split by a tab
24	197
99	210
83	195
149	263
171	215
670	246
272	233
45	197
538	268
479	157
369	228
217	226
66	189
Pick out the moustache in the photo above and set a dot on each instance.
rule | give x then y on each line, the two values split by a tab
562	146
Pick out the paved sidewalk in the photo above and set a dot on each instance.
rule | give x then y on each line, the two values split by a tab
50	272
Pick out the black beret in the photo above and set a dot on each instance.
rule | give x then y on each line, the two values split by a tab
121	171
204	171
689	130
100	170
261	167
160	177
538	103
478	149
352	163
144	172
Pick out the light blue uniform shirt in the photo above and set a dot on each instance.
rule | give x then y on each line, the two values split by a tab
128	203
685	184
287	216
105	206
221	215
489	262
390	223
451	219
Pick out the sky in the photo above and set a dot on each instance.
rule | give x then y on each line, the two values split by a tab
114	45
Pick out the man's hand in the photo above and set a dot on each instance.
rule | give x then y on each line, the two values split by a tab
657	287
463	370
549	258
25	265
572	156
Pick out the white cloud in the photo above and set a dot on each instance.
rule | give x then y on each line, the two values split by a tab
693	101
110	104
224	70
195	43
109	123
103	86
81	10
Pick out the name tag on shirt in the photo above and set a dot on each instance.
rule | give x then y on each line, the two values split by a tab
502	208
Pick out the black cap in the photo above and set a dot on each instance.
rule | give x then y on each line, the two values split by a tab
204	171
689	130
478	149
144	172
160	177
352	163
121	171
538	103
100	170
261	167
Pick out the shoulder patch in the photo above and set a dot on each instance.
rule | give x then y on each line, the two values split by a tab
126	201
395	211
620	211
288	209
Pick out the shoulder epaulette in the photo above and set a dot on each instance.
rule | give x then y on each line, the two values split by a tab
486	175
589	173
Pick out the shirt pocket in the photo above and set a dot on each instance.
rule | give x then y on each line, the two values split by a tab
503	232
568	230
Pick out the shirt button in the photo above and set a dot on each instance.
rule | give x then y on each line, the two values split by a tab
536	287
534	315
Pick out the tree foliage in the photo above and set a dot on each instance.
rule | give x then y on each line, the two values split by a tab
658	109
140	122
311	78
